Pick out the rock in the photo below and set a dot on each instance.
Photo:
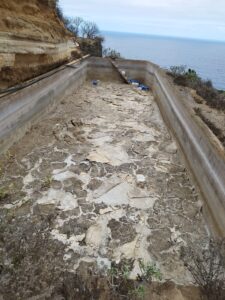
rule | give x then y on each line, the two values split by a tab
172	148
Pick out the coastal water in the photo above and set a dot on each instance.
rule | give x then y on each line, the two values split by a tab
206	57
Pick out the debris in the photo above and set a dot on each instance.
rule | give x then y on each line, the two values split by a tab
141	180
95	82
171	149
143	87
138	84
134	81
77	123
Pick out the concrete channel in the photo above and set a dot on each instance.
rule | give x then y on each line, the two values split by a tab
202	153
118	173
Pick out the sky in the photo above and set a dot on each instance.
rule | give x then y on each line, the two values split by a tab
200	19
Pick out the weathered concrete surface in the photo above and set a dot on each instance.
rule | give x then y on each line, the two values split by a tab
202	151
20	110
97	180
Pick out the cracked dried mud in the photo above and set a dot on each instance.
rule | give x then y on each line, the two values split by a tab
96	181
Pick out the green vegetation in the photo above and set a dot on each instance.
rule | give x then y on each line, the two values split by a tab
204	88
121	285
149	271
47	182
83	31
138	292
4	193
111	53
9	156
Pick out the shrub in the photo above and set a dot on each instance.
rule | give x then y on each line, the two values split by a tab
121	286
111	53
204	88
178	70
208	268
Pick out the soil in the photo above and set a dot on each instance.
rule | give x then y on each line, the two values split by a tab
35	20
33	40
98	181
214	118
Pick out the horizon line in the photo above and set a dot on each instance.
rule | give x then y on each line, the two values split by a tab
164	36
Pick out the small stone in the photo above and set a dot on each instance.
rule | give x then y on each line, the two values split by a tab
171	149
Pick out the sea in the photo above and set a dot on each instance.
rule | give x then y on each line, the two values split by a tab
206	57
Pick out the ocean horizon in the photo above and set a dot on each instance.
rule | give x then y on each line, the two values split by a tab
207	57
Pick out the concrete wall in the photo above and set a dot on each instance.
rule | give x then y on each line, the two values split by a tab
204	157
20	110
203	154
101	69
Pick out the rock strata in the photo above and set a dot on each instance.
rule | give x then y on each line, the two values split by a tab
32	40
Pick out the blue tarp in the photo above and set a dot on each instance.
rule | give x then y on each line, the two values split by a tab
140	85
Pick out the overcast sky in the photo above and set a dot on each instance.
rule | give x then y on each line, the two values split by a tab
203	19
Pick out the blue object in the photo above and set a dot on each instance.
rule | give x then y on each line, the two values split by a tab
95	82
133	81
143	87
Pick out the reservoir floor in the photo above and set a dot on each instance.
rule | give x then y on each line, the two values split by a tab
98	180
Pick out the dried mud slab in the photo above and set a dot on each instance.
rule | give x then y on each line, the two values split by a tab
98	180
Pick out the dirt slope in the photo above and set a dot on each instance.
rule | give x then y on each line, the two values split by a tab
34	19
32	40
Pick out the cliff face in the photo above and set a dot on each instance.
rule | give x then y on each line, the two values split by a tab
32	40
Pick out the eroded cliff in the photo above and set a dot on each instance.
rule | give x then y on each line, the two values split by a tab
32	40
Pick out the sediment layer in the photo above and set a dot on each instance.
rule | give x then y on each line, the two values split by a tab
32	40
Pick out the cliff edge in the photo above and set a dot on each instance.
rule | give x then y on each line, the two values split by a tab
32	40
